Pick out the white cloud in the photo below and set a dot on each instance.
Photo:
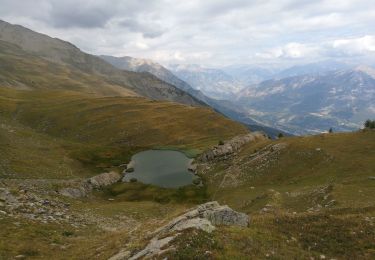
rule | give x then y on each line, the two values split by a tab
211	32
293	50
355	46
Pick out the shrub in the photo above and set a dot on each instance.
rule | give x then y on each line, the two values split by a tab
369	124
280	135
129	169
67	233
221	142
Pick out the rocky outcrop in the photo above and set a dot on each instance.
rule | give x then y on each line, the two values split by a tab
78	192
231	146
204	217
28	205
96	182
104	179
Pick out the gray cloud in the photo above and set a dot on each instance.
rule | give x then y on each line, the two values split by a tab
64	15
211	32
148	31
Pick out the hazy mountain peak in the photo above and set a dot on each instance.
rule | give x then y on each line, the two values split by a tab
214	83
131	63
366	69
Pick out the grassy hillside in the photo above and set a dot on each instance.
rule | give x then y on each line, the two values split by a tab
77	64
297	165
100	132
22	70
307	196
53	138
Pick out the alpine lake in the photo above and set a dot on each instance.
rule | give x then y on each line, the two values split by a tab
163	168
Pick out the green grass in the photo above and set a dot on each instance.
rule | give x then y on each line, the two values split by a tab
194	244
20	69
326	173
98	133
142	192
66	129
345	160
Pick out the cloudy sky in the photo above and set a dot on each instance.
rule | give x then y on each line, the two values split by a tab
209	32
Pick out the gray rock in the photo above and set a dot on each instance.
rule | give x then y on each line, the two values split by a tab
121	255
96	182
73	192
223	215
197	223
202	217
192	167
104	179
231	146
210	212
153	248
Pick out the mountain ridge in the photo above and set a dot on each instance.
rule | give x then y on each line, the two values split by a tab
62	52
341	99
224	107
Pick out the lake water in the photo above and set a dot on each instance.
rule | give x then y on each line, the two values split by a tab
163	168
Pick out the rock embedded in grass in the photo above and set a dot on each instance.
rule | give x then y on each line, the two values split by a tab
203	217
104	179
230	146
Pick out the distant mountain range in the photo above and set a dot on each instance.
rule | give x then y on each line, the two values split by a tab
224	107
148	66
214	83
312	103
303	99
249	74
308	98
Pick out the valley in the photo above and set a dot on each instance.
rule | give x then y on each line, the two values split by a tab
107	157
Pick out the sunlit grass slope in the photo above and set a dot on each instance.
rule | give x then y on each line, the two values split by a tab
346	161
309	197
22	70
101	132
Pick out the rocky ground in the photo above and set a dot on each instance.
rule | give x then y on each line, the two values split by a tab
299	208
45	201
204	217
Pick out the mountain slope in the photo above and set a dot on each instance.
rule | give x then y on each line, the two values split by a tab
307	196
141	65
22	70
103	130
58	51
224	107
313	68
214	83
249	74
314	103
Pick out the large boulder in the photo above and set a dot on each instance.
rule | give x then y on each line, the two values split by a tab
203	217
104	179
85	187
224	215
